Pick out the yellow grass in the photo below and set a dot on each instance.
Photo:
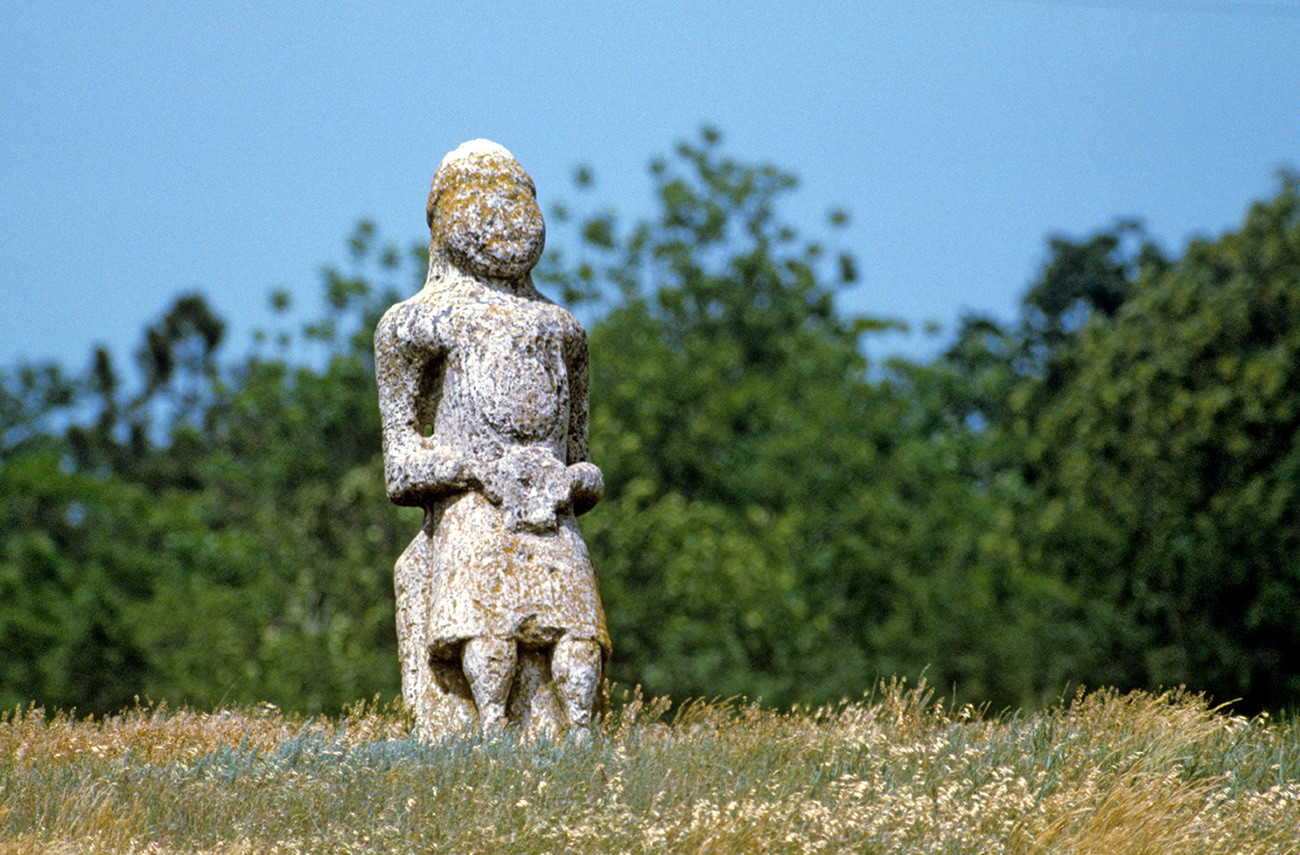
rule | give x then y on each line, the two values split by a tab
895	772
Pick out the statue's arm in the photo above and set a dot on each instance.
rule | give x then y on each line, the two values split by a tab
417	469
588	484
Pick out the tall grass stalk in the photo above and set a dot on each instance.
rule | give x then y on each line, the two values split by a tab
895	772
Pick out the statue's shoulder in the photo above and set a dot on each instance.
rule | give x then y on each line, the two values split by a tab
560	318
396	314
417	321
396	321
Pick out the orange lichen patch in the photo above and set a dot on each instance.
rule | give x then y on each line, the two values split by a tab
483	211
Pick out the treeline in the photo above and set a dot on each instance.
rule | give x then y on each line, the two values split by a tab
1105	490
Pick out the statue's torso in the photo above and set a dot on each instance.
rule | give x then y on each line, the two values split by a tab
500	381
504	376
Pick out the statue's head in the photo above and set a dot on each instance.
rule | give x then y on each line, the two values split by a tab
483	212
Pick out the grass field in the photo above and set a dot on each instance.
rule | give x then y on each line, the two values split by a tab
895	772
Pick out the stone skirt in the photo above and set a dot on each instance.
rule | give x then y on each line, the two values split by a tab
488	581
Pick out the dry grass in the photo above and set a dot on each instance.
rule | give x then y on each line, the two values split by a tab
897	772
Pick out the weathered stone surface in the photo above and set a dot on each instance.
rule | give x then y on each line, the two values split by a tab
483	394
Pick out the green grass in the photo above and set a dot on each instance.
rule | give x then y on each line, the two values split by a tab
896	772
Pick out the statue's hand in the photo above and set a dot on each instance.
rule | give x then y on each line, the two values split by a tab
456	471
428	473
586	487
482	476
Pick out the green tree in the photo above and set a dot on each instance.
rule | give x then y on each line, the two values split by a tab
218	535
75	563
780	520
717	355
31	397
1170	467
1104	491
1082	281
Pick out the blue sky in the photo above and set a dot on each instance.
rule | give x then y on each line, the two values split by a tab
155	147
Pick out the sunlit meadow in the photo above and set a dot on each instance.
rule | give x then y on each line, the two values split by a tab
895	772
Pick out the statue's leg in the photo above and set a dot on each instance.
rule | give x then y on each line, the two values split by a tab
533	701
576	666
489	664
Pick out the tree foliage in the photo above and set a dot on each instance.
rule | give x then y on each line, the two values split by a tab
1103	491
1170	462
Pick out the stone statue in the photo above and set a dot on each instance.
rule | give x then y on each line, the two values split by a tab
483	395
